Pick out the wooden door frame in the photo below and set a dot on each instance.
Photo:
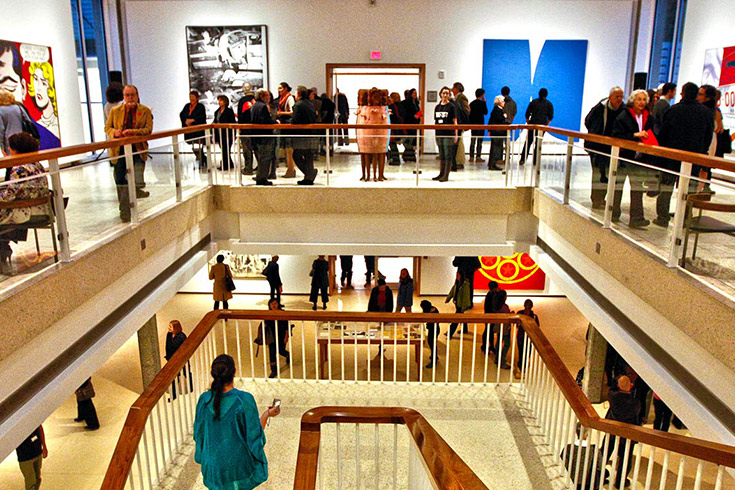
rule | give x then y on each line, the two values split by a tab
421	88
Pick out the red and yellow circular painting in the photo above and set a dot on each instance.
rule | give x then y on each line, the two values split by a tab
518	271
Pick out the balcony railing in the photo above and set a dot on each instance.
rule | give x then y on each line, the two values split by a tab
156	429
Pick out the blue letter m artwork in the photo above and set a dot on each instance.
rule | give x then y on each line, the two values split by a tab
560	69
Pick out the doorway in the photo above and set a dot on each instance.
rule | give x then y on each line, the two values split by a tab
394	77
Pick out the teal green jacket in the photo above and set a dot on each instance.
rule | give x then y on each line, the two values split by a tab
464	301
230	449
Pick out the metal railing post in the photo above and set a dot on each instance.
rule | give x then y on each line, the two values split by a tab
329	161
508	150
417	171
568	169
537	156
132	194
610	197
210	157
680	209
236	148
62	233
177	167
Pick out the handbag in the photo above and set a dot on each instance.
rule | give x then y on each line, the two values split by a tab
724	143
229	283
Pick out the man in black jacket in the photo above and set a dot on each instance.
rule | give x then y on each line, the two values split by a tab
343	114
327	117
687	126
410	109
262	139
624	407
244	105
600	121
273	276
304	113
539	111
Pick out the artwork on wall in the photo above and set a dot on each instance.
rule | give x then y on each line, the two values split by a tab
243	265
27	72
560	69
719	71
223	58
518	272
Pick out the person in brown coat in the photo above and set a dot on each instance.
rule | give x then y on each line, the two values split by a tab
218	273
85	408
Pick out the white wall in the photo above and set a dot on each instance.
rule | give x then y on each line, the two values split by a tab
50	24
708	24
301	39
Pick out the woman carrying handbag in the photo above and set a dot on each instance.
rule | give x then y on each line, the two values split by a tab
223	283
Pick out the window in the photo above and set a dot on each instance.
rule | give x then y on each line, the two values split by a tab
89	40
668	28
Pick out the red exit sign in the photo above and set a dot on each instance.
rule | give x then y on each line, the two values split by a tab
376	55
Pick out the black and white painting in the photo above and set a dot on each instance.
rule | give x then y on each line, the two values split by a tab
223	58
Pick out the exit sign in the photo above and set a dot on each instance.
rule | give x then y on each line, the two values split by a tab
376	55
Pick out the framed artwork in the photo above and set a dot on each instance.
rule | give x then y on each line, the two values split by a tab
719	71
27	72
243	266
223	58
519	271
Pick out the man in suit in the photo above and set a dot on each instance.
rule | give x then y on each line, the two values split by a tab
539	111
304	113
273	275
343	114
127	120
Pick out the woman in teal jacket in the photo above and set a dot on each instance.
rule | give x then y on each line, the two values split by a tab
229	433
460	296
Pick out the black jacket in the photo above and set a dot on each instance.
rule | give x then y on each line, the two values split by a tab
303	113
623	407
539	111
320	273
173	342
243	111
410	108
478	111
373	303
343	107
226	116
600	120
260	114
327	110
625	127
272	274
199	114
497	116
688	126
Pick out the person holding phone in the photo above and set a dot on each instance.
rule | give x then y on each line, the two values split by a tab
229	433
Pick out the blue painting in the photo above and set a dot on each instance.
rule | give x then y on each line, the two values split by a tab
560	69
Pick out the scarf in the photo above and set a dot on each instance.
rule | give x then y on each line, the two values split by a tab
282	101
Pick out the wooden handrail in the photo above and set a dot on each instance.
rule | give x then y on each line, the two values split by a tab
446	467
678	155
132	431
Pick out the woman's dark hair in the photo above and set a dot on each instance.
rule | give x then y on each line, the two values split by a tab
23	143
220	258
711	93
223	372
194	93
381	282
114	92
462	277
499	299
426	306
286	86
479	92
224	98
274	300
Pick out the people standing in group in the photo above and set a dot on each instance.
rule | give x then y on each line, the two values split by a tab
369	269
510	108
623	408
395	118
219	273
228	432
175	337
411	112
244	116
497	136
276	336
634	124
194	114
12	118
262	140
460	296
446	113
126	120
539	111
303	147
343	115
432	330
286	101
345	279
404	300
478	111
31	453
600	120
521	335
668	92
381	298
688	126
85	407
222	136
375	141
463	115
319	282
273	276
113	97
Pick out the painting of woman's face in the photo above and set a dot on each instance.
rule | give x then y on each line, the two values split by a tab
40	85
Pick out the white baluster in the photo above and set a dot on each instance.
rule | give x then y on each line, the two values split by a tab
250	345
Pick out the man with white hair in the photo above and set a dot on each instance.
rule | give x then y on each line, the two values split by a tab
600	121
497	136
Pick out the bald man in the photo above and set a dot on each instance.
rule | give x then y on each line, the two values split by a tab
623	408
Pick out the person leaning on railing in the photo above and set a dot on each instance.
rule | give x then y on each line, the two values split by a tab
29	189
228	432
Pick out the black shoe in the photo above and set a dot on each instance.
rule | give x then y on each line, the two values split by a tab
429	366
639	223
324	306
273	374
287	355
444	179
263	182
91	428
125	218
314	307
79	419
305	182
438	177
661	222
141	194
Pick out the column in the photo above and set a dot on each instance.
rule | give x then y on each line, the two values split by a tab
150	355
594	366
